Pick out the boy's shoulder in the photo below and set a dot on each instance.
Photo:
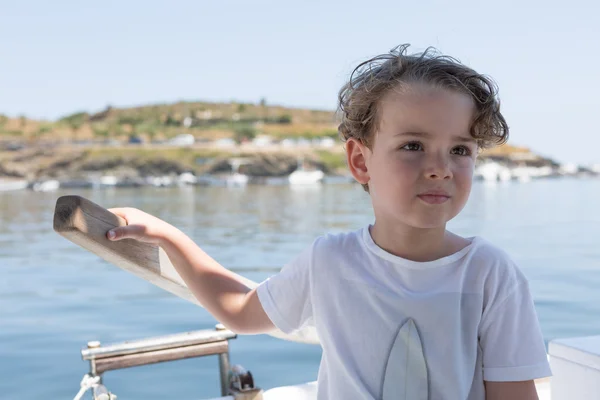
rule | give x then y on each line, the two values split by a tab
339	248
494	260
495	272
339	241
342	238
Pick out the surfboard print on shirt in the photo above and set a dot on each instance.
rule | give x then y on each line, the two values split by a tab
406	376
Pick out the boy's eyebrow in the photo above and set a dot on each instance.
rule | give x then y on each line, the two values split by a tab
465	139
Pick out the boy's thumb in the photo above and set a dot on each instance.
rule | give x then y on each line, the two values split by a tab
115	234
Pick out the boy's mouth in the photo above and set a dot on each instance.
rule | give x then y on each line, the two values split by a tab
434	197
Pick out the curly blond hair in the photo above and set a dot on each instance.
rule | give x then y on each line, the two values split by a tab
359	98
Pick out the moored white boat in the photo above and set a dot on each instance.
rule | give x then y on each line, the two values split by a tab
7	185
491	171
187	178
303	177
108	181
46	186
236	180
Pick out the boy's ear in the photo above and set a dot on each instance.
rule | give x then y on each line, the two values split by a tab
356	156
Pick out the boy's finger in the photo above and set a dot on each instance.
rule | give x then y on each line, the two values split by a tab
126	232
121	212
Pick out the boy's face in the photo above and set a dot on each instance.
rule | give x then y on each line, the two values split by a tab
420	167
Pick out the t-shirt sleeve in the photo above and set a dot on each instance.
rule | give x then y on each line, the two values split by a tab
285	297
511	339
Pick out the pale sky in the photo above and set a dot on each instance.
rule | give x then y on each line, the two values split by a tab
61	57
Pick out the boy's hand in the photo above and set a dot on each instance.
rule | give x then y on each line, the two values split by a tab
140	226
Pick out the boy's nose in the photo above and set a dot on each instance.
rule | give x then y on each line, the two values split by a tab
438	168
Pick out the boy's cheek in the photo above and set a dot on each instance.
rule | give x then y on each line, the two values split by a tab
466	166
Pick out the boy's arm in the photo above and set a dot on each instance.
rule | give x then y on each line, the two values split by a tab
222	292
524	390
219	290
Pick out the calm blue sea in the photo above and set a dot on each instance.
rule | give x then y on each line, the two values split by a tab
55	297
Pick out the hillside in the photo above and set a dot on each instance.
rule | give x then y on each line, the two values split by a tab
86	142
162	121
204	120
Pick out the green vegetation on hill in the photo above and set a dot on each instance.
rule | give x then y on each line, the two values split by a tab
162	121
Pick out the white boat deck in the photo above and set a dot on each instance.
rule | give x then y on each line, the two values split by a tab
308	391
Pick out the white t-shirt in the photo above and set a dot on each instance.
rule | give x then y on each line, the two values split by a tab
473	312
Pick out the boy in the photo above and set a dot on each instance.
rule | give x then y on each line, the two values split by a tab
403	308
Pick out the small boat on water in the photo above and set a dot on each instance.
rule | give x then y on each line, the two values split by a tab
108	181
46	186
8	185
233	179
161	181
304	176
187	178
237	180
491	171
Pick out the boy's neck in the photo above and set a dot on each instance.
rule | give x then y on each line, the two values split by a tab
417	244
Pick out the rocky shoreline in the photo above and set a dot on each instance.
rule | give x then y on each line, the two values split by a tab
73	164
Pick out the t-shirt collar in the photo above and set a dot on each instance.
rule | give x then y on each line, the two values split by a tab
373	247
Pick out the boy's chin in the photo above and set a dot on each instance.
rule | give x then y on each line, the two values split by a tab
430	221
430	224
419	219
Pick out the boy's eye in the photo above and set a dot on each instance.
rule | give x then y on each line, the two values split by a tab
412	146
461	151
